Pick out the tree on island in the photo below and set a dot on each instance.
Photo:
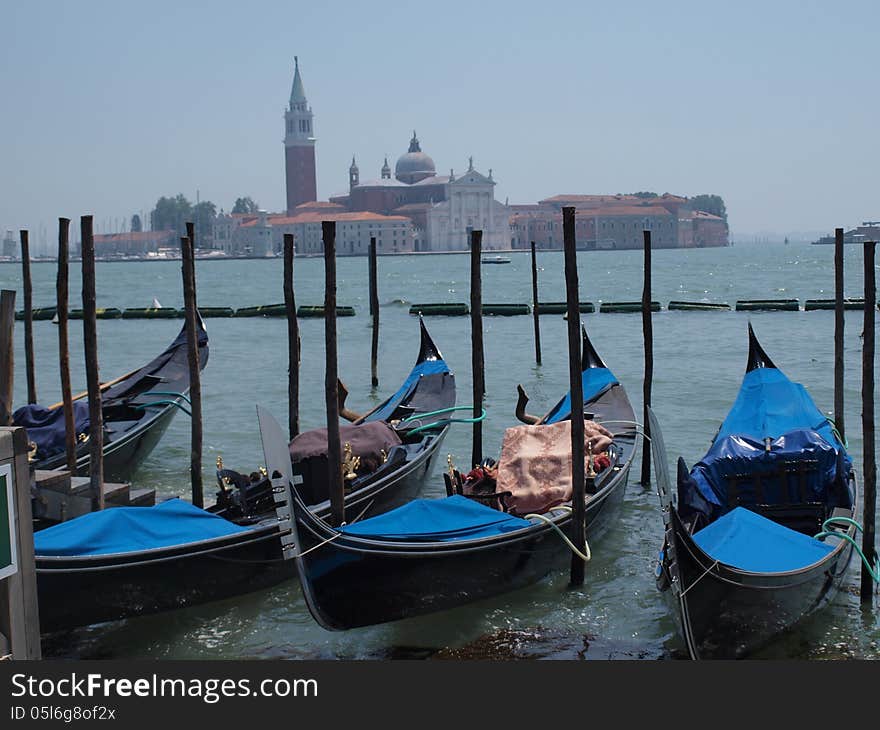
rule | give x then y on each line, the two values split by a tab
136	225
244	205
172	214
645	195
713	204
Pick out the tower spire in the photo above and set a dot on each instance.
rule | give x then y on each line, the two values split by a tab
297	91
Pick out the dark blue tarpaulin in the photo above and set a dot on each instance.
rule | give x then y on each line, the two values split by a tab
744	539
594	381
45	427
131	529
429	520
428	367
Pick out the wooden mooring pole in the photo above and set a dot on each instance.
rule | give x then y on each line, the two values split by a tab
838	332
293	351
331	382
28	317
90	345
7	355
535	313
61	294
870	462
188	267
648	336
578	485
374	312
477	362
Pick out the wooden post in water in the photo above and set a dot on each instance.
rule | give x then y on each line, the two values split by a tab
838	332
374	312
870	463
331	382
61	293
188	267
535	312
28	317
648	336
90	345
477	362
7	355
578	485
292	340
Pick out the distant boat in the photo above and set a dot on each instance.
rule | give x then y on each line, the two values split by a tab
496	260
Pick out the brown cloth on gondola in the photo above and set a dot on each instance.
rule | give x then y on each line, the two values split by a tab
535	465
308	452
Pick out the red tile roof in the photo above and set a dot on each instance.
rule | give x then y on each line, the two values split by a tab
314	217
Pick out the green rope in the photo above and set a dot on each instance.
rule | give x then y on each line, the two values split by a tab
839	437
445	421
826	532
164	403
167	392
442	410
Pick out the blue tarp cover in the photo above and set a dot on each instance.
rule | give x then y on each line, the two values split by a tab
428	367
131	529
744	539
738	455
430	520
45	427
769	404
594	381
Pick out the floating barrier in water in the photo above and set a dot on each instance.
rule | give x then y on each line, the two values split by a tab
813	304
318	311
216	311
263	310
767	305
696	306
506	310
626	307
449	309
38	313
103	313
562	307
152	313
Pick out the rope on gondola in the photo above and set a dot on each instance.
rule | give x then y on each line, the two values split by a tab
442	422
827	532
586	557
837	434
155	403
168	392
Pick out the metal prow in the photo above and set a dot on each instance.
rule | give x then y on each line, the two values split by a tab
427	349
589	357
757	357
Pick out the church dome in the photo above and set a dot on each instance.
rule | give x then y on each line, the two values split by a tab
415	165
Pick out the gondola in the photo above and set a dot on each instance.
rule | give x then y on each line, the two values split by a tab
136	409
436	554
741	562
131	561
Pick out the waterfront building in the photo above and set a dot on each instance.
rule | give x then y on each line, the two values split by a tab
262	233
617	222
10	247
133	244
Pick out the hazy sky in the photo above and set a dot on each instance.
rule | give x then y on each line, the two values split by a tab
773	105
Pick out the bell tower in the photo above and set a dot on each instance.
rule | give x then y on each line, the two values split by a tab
354	175
299	146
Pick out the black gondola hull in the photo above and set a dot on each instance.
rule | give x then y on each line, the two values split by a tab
724	613
348	586
88	590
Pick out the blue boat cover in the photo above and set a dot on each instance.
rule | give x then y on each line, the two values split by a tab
744	539
594	381
428	367
132	529
769	404
45	427
433	520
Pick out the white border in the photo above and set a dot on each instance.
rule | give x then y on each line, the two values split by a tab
12	569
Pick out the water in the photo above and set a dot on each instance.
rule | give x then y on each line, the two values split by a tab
699	360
